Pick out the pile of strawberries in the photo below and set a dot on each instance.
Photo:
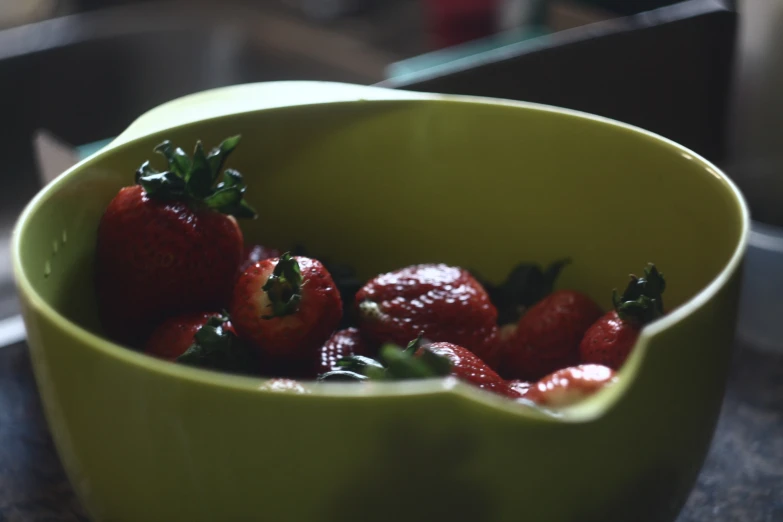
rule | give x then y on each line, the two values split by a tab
175	280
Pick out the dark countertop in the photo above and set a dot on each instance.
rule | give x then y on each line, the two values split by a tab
742	479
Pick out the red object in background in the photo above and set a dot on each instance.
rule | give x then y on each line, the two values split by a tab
452	22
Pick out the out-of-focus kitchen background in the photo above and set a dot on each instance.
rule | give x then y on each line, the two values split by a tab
704	73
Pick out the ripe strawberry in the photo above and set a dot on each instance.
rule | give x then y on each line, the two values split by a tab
548	335
346	279
286	306
205	340
343	343
468	367
175	335
440	302
257	253
166	246
525	285
570	385
609	341
421	361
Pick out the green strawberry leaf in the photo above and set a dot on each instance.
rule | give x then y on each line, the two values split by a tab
163	185
176	157
415	344
217	348
404	365
232	178
200	178
341	375
393	364
642	301
283	288
242	211
196	181
145	170
525	285
217	156
228	197
358	363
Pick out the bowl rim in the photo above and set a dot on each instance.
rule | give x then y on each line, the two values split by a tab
587	410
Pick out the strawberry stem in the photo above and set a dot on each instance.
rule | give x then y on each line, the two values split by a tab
284	287
642	301
195	180
217	348
394	364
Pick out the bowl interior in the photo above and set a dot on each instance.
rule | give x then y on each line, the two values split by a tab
383	184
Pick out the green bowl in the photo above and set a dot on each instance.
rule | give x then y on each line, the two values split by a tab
383	179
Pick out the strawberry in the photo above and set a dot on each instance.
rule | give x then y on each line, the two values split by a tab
170	244
525	285
175	335
346	279
257	253
287	306
468	367
343	343
609	341
205	340
440	302
547	336
421	361
570	385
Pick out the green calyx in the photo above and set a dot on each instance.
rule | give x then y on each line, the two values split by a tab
393	364
195	180
217	348
284	287
524	286
642	301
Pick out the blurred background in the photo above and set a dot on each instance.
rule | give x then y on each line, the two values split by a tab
701	72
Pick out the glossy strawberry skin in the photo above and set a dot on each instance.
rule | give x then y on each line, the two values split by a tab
570	385
608	341
548	336
343	343
255	253
296	337
444	303
156	259
175	335
520	387
470	368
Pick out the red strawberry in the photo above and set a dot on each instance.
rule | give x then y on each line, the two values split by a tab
175	335
166	246
421	361
343	343
440	302
548	335
570	385
205	340
609	341
287	307
257	253
468	367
